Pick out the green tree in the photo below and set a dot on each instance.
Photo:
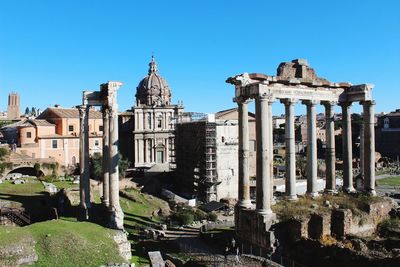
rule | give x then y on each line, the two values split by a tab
27	111
37	169
3	152
97	166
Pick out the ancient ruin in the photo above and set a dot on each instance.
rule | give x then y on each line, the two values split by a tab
295	82
106	98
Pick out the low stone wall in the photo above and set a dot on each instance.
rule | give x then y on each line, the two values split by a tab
338	223
254	228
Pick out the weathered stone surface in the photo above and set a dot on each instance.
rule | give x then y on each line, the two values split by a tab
298	68
341	222
124	245
380	210
254	227
319	225
19	254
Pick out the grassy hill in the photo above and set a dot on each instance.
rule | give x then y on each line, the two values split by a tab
59	243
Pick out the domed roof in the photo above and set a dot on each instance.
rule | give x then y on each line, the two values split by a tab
153	89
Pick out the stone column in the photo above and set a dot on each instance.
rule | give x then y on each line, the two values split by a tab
290	176
84	182
244	179
312	160
106	155
117	216
263	204
362	127
347	148
271	147
369	146
330	156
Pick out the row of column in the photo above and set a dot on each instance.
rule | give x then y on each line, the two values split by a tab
264	135
109	164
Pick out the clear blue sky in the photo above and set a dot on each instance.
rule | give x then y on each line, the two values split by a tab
52	50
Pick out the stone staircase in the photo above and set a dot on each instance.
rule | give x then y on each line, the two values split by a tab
172	234
16	216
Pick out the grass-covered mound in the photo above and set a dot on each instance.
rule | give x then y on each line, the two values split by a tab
59	243
304	206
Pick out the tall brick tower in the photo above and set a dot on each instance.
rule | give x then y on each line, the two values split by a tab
13	110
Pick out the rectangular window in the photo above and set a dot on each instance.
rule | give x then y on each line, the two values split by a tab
71	128
159	123
54	143
96	142
101	128
28	134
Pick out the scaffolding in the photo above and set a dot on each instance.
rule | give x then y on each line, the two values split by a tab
194	157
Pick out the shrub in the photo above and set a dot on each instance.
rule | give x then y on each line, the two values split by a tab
48	178
212	216
200	215
37	169
185	217
3	152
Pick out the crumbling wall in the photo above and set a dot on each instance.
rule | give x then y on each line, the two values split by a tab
255	228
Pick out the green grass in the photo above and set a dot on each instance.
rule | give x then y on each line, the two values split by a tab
63	243
391	181
138	209
31	187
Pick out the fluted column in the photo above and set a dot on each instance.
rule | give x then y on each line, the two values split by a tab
106	155
290	179
330	156
312	189
369	146
263	204
244	179
347	148
84	181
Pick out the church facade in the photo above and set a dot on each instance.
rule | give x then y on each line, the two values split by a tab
147	130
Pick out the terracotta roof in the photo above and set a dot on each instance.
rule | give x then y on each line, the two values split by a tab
67	113
42	123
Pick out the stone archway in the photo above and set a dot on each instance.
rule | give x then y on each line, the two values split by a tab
27	171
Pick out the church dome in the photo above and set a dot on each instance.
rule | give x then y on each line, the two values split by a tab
153	89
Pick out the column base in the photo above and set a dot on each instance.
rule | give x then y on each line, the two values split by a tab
331	191
106	202
245	204
83	214
370	192
349	190
264	211
292	197
313	194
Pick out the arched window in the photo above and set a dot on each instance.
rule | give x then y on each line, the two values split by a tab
386	123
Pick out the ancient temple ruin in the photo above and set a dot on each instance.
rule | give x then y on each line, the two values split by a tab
295	82
106	98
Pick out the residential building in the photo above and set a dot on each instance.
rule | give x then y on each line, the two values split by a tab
55	134
388	135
